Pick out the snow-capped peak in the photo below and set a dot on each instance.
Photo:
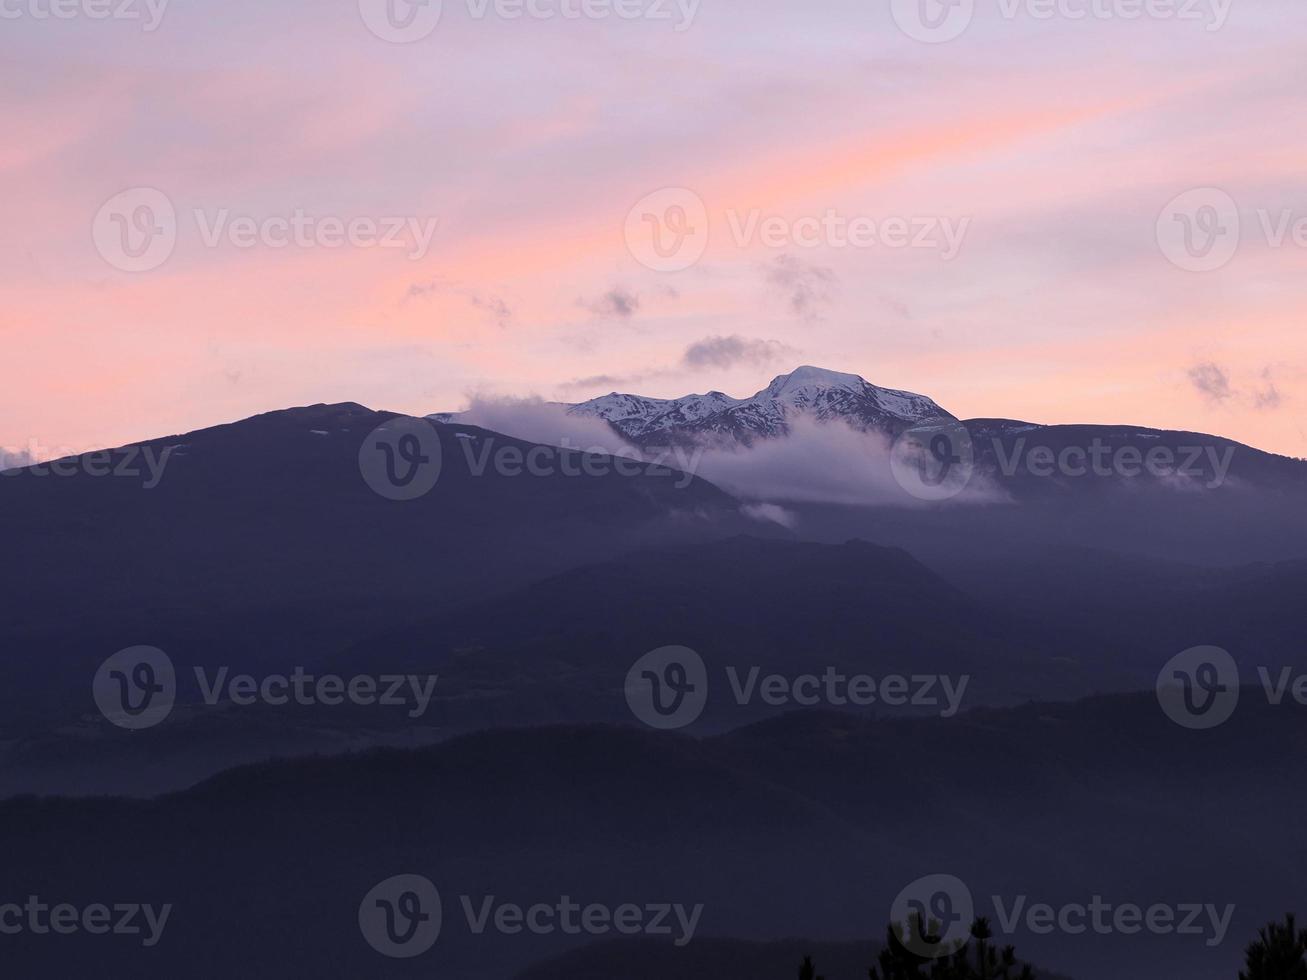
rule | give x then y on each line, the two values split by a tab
813	377
826	395
617	407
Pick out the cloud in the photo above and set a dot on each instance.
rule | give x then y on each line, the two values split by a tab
806	287
1268	398
711	353
726	352
493	305
548	423
616	304
419	289
898	307
1212	382
614	382
490	303
770	514
820	462
598	381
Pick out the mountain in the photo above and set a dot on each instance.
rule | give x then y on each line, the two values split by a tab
262	543
706	959
1011	484
712	959
805	825
824	395
1212	501
530	579
718	418
1032	460
559	649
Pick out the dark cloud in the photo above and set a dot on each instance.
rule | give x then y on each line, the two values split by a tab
711	353
617	382
494	305
618	304
1212	382
726	352
599	381
806	287
898	307
419	289
1268	398
718	353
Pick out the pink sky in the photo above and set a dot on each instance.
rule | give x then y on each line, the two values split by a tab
1056	144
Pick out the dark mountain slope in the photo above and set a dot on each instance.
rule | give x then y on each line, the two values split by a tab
806	825
263	543
560	649
712	959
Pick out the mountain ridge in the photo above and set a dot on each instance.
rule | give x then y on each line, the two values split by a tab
624	814
806	391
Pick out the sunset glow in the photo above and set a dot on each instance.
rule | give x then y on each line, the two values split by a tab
1057	143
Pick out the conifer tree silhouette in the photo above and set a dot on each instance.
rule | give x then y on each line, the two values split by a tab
807	971
1279	953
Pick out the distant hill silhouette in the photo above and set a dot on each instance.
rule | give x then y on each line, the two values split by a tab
804	825
262	541
558	650
710	959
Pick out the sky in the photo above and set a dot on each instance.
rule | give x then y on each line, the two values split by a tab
1050	210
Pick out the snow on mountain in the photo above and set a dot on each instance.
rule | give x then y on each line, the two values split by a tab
717	417
825	395
638	411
